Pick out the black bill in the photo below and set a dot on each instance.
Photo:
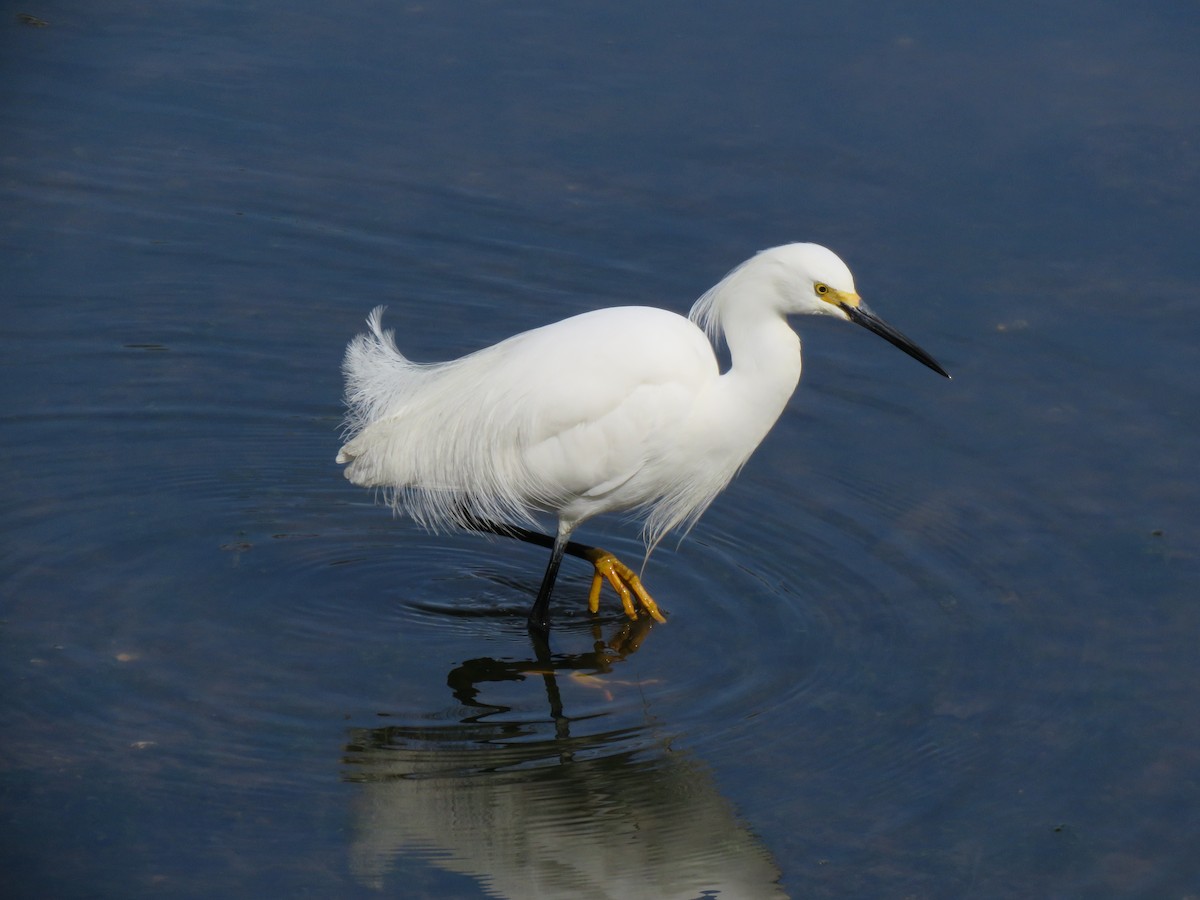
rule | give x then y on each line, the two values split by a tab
863	316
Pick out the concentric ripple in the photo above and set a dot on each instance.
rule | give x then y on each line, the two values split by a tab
257	625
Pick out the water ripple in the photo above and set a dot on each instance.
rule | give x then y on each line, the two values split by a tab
258	620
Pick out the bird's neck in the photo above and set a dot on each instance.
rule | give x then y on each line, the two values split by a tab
746	309
764	367
762	346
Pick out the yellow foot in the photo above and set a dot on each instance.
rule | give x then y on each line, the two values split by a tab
624	581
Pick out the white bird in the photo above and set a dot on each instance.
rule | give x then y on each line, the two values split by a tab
616	409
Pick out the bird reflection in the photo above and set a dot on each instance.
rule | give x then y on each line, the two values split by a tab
551	807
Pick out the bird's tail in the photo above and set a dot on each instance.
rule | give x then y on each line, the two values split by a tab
431	435
379	378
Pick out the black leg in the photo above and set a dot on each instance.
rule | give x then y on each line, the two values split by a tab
529	536
539	615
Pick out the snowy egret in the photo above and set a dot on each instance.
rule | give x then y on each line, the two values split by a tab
617	409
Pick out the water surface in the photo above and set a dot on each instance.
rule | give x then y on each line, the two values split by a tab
938	639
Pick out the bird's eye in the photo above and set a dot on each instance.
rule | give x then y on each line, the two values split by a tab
821	288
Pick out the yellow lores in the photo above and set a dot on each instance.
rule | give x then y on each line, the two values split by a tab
837	298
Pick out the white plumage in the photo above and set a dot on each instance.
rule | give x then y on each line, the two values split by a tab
616	409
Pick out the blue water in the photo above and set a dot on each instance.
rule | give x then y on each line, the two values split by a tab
938	639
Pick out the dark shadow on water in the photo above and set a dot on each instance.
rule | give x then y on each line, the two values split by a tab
539	806
464	680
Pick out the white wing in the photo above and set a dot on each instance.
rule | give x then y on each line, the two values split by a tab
578	417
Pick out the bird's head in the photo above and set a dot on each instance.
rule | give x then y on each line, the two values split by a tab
808	279
812	280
